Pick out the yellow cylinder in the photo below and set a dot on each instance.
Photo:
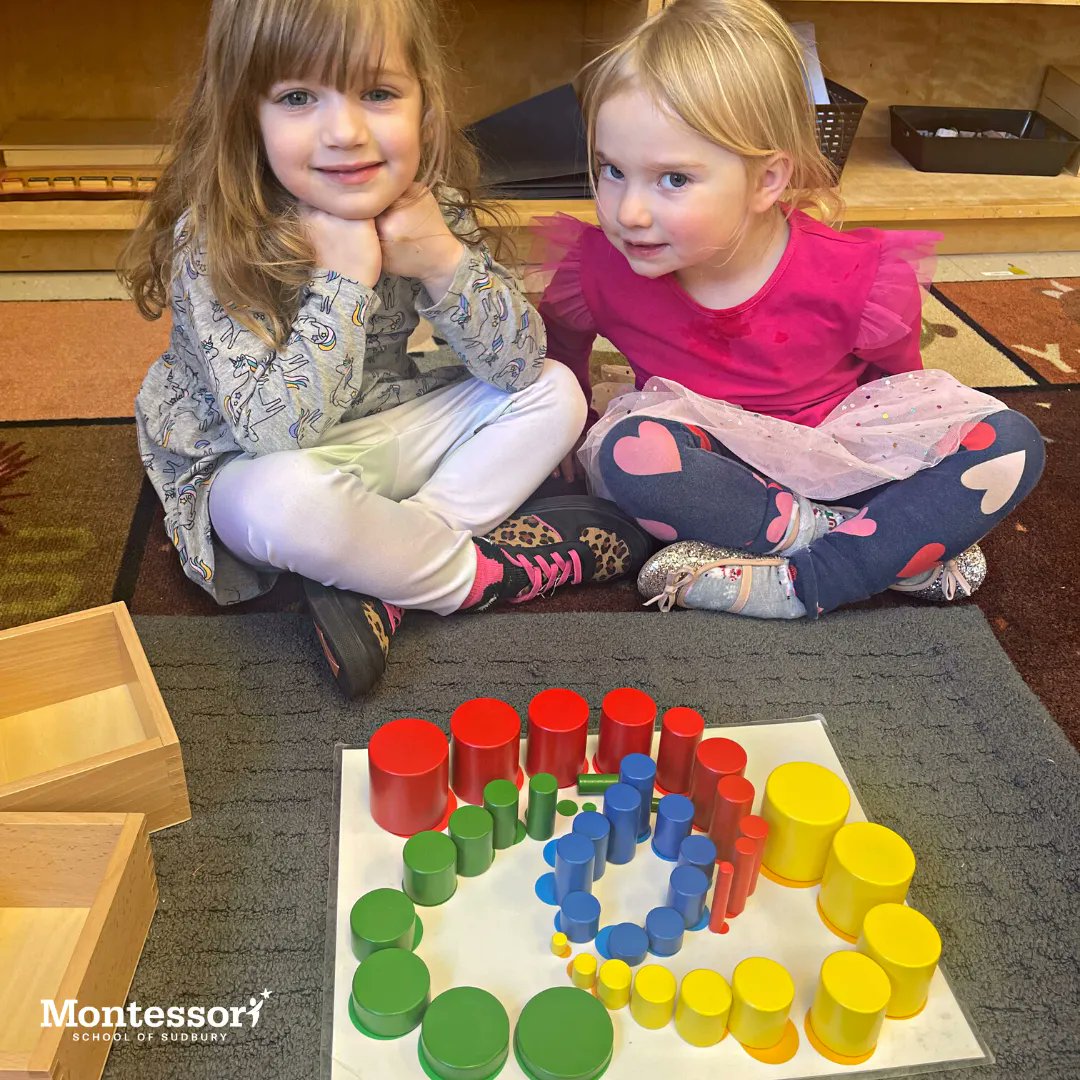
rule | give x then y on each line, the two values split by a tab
849	1005
804	805
867	865
908	947
613	983
652	1000
583	973
560	945
761	997
701	1013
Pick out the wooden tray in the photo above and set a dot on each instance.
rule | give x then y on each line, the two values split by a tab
77	894
82	723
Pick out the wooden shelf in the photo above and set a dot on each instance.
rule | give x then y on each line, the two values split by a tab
69	215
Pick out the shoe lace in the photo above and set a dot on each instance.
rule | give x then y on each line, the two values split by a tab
545	576
393	615
674	583
953	580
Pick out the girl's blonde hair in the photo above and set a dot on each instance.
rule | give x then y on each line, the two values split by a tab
257	253
733	72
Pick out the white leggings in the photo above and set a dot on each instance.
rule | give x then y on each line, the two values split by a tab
387	505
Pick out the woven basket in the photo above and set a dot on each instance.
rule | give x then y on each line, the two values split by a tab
837	123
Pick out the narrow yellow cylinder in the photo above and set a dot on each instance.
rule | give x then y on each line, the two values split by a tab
613	983
701	1013
584	971
908	947
868	865
849	1005
652	1000
761	995
804	805
560	945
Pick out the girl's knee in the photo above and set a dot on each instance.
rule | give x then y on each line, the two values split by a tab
558	385
1014	432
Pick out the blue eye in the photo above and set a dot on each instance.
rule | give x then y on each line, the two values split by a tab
380	96
612	172
678	180
290	100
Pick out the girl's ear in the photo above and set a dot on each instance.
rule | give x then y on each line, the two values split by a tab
773	177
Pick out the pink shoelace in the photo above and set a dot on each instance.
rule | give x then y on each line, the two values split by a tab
545	576
393	613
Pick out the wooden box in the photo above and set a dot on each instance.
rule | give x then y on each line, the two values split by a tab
82	723
1060	102
77	895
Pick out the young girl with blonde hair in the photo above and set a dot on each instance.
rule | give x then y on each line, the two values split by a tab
318	202
784	433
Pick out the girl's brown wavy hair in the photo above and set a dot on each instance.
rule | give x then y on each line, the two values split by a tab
257	253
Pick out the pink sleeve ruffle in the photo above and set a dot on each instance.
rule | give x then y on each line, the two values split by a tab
555	269
893	308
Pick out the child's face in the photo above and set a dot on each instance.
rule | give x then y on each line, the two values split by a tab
348	154
667	198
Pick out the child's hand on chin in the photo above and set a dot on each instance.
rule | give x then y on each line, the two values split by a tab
416	241
349	247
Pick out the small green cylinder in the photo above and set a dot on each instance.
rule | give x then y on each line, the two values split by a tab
430	875
391	990
472	830
382	919
543	795
595	783
654	805
501	802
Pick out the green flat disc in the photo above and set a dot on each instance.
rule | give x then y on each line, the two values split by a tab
390	992
567	807
564	1034
382	919
465	1035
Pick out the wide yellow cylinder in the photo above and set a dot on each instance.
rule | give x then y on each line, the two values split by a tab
908	947
849	1005
701	1013
804	805
761	997
613	983
652	1000
583	971
868	865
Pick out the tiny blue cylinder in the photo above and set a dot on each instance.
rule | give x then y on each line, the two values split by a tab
595	827
639	771
573	865
687	888
674	820
665	927
628	942
622	808
579	916
699	851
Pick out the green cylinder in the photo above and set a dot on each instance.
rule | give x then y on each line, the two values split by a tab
595	783
501	802
472	830
382	919
391	991
654	805
430	875
465	1035
543	795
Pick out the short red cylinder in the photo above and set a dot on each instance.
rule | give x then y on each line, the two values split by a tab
680	733
740	882
755	828
734	801
627	717
713	760
558	727
409	769
485	745
720	896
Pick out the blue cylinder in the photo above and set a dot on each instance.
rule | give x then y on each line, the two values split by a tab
699	851
639	771
628	942
687	888
674	820
595	827
573	865
579	916
665	927
622	808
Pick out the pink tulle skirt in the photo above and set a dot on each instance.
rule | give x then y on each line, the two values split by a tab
885	430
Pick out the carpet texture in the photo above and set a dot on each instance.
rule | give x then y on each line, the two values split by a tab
942	738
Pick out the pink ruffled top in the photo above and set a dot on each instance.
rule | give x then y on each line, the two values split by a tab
839	310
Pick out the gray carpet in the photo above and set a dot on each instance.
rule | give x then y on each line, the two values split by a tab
944	741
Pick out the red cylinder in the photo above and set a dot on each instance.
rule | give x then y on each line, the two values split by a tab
409	770
734	800
558	727
485	745
744	871
680	733
713	760
721	893
755	828
627	717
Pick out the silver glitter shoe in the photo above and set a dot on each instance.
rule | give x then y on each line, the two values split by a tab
955	579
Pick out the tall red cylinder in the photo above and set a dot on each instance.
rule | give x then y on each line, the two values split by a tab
734	801
756	828
722	891
558	727
409	770
627	717
680	733
713	760
740	882
485	745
